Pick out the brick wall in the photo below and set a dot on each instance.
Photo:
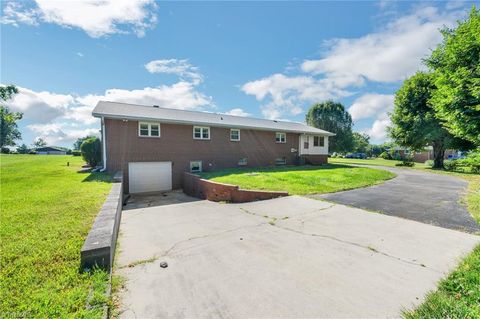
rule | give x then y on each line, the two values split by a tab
195	186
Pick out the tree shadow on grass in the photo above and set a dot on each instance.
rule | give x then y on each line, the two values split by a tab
98	177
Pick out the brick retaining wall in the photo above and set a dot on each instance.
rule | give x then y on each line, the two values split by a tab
196	186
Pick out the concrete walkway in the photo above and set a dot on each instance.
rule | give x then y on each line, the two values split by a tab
417	195
290	257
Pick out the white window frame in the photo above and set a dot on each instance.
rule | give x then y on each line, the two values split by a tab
237	130
319	144
281	134
149	124
199	165
202	128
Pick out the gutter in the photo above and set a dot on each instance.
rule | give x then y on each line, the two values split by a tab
104	147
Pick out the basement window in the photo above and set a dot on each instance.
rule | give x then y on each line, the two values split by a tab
201	133
242	162
147	129
195	166
281	161
319	141
280	137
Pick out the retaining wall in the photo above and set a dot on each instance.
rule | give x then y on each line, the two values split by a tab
196	186
99	246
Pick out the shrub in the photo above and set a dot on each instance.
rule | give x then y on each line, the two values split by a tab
450	165
472	161
429	163
69	152
385	155
91	151
76	153
5	150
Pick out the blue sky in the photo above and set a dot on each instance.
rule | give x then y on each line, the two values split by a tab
261	59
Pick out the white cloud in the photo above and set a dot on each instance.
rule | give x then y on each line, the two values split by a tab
80	54
287	94
96	18
237	112
389	55
61	134
181	68
371	104
378	131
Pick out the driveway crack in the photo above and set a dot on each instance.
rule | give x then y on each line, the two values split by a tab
369	248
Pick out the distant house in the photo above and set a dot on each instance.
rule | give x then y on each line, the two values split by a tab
50	150
153	145
424	155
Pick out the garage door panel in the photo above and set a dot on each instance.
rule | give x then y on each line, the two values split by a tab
149	176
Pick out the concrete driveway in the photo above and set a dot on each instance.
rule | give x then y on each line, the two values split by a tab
291	257
425	197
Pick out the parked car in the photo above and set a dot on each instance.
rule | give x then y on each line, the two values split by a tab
356	155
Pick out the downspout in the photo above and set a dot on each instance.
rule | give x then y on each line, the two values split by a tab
104	147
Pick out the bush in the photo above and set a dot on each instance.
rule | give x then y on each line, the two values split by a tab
471	162
91	151
32	152
76	153
69	152
5	150
450	165
429	163
385	155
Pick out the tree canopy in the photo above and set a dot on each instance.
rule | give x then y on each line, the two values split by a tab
456	67
333	117
79	141
414	121
39	142
9	132
361	142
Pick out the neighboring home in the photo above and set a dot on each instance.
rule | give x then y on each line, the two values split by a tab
426	154
154	146
50	150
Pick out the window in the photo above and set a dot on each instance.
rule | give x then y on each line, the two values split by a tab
242	162
148	129
280	161
319	141
305	145
234	135
195	166
201	133
280	137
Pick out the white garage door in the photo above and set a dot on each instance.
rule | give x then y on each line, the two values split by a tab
149	176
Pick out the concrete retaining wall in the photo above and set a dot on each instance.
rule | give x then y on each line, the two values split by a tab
99	246
198	187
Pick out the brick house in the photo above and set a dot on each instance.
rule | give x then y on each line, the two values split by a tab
153	146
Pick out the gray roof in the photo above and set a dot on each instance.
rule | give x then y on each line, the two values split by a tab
165	115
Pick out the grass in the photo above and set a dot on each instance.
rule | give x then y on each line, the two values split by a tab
458	295
301	180
369	161
47	209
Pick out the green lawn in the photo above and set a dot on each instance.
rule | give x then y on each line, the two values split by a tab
301	179
47	209
370	161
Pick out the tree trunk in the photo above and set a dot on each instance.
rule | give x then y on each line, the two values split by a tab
438	154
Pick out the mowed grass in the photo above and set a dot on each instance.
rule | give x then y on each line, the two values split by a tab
47	209
369	161
301	180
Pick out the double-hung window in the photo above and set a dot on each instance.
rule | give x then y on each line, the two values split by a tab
234	135
280	137
319	141
201	133
147	129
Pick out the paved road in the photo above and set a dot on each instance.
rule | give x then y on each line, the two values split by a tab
290	257
416	195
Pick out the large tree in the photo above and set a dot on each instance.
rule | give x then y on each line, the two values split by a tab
360	142
9	132
456	67
39	142
414	121
333	117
